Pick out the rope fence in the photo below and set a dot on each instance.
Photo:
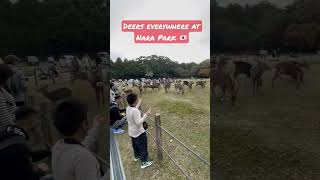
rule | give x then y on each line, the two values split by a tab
171	158
158	142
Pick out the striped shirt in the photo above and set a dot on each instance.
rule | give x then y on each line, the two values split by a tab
7	109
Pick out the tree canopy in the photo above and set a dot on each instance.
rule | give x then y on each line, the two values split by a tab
30	27
264	25
155	67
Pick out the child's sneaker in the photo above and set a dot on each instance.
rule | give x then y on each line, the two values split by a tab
117	131
146	164
135	159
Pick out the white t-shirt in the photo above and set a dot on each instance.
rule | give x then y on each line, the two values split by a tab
135	121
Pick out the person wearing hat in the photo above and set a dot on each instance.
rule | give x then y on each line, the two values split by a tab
7	104
16	85
117	119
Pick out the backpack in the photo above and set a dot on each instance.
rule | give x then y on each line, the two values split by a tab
7	140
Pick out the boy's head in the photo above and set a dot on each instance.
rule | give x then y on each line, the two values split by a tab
27	118
10	59
70	118
132	99
5	73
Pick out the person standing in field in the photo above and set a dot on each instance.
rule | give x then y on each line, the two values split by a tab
137	131
7	103
16	85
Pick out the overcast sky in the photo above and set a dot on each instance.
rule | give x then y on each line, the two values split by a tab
122	43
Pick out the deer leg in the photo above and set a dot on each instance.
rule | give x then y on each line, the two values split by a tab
275	76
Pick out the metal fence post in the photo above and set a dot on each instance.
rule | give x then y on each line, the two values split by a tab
158	136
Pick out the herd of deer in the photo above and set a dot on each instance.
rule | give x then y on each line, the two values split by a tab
179	85
231	85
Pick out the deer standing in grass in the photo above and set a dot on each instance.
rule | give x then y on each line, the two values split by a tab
224	80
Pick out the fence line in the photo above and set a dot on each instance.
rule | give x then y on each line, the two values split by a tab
180	142
158	142
174	162
116	168
197	155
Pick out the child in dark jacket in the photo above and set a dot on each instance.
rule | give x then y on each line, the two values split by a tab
117	120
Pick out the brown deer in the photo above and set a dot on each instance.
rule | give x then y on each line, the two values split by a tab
167	86
95	80
256	75
179	87
190	85
228	85
201	83
55	95
289	69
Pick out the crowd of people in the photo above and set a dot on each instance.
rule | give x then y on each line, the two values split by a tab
72	157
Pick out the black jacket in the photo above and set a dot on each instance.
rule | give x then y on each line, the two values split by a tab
15	156
115	113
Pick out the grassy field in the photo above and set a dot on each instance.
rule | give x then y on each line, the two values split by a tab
185	116
272	136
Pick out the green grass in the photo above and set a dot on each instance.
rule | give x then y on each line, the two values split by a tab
274	135
185	116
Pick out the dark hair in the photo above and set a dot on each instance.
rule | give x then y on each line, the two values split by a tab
10	59
5	73
117	97
131	98
69	116
24	112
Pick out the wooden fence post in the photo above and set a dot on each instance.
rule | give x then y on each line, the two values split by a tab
158	136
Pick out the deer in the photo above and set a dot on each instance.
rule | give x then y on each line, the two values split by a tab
95	80
242	67
55	95
167	86
228	85
190	85
179	87
201	83
256	73
290	69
